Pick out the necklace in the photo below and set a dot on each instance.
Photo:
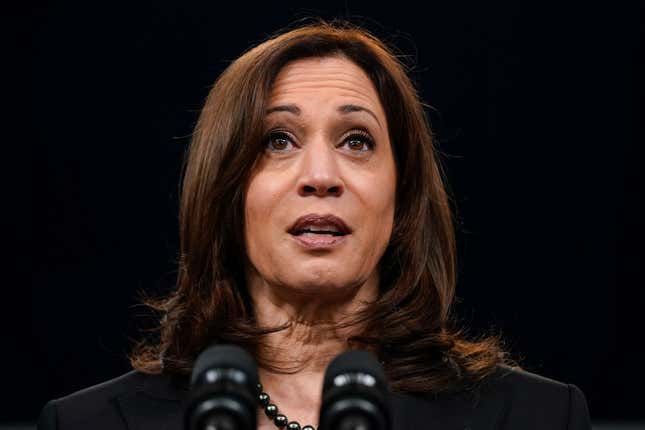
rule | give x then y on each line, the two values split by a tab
271	411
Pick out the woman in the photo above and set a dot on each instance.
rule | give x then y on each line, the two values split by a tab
314	219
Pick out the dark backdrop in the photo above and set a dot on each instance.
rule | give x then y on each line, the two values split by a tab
535	108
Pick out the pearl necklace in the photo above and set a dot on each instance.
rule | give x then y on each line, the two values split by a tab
271	411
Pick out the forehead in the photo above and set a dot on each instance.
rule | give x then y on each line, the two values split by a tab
324	79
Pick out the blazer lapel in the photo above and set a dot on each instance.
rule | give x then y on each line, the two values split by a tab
158	401
156	404
465	411
412	413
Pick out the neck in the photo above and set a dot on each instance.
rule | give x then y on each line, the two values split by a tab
296	357
318	321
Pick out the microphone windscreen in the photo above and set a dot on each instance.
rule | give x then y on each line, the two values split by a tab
223	390
354	361
225	356
355	394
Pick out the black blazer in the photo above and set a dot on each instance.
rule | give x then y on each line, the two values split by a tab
510	399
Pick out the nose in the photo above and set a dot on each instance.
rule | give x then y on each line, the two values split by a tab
319	173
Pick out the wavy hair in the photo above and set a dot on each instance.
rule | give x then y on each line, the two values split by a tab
410	324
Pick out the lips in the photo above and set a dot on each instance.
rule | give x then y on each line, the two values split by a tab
319	225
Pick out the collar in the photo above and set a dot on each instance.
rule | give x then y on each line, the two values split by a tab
158	402
165	387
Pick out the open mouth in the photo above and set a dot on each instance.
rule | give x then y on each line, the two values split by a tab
319	225
322	232
317	233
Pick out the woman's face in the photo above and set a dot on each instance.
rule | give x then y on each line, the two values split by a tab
319	206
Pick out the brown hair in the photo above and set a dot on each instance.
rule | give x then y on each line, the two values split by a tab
410	324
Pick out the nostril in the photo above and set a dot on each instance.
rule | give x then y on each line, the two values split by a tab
335	190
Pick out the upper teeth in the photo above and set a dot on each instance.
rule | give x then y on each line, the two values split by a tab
325	228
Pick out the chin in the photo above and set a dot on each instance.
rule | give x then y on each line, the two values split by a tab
323	283
315	285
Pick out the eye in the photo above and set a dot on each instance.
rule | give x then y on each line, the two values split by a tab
277	141
359	141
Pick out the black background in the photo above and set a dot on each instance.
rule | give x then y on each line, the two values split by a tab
536	111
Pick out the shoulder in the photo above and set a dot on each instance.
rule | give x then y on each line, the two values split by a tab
111	404
92	405
92	397
534	401
508	399
525	385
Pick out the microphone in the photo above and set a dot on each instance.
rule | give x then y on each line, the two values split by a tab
223	390
355	394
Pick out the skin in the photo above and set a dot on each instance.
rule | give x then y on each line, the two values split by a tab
313	166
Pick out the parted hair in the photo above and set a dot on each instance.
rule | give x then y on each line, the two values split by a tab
410	325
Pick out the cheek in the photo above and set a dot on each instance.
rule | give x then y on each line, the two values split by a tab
376	195
383	222
261	204
379	195
384	198
254	209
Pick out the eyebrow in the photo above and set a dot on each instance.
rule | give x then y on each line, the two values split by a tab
344	109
